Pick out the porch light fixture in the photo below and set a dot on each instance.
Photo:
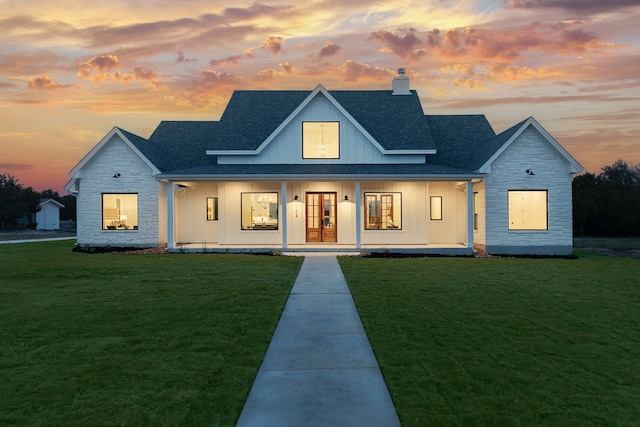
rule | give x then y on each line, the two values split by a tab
295	197
346	198
116	175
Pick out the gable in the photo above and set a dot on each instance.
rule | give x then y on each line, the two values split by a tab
254	118
504	140
116	134
355	145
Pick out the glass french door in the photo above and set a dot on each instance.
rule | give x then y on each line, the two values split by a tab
321	217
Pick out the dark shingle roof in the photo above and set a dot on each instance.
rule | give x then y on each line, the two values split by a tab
459	138
463	142
393	120
251	116
492	145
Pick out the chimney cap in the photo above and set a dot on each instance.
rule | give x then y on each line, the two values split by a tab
401	71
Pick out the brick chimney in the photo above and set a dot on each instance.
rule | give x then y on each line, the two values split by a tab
401	83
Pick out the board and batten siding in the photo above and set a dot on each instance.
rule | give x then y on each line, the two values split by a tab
286	147
552	172
191	213
135	177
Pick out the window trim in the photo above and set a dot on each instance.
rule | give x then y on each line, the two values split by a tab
212	216
438	208
380	196
546	192
277	204
305	157
104	227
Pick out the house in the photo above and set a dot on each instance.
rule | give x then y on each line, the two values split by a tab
48	217
359	171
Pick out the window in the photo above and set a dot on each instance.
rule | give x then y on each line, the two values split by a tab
475	210
320	140
527	210
212	208
119	211
383	211
436	208
259	211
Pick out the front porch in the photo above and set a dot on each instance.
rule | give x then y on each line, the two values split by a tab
419	217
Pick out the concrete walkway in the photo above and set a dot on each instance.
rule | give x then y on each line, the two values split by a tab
48	239
319	369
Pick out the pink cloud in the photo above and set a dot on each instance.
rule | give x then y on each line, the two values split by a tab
45	83
329	49
405	43
229	60
578	6
144	74
182	58
100	63
353	71
273	45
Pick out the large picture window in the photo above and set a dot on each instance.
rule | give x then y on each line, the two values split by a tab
259	211
320	140
383	211
119	211
527	210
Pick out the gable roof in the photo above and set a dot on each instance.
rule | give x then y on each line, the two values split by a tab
501	142
181	144
253	118
51	201
136	143
459	139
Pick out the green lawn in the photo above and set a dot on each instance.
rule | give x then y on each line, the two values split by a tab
105	339
498	341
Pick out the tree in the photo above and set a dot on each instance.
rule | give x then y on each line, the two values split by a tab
16	202
608	204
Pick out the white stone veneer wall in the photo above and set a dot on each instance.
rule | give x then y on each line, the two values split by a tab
135	177
552	173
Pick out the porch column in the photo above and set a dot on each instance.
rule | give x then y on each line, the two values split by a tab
470	209
171	244
358	201
283	194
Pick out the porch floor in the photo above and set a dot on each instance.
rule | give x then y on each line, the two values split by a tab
429	249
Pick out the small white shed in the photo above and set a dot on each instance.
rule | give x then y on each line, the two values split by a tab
48	217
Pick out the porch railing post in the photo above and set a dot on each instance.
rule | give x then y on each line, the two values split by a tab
358	224
170	216
283	193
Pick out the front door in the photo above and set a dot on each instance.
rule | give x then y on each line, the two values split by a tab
321	217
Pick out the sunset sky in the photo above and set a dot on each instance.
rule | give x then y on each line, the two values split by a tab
70	70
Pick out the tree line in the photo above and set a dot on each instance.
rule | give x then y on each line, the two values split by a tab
607	204
18	204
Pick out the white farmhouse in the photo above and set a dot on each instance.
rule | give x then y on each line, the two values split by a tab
329	170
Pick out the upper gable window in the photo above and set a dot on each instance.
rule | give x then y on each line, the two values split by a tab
320	140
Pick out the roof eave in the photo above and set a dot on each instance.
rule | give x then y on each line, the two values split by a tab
321	177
